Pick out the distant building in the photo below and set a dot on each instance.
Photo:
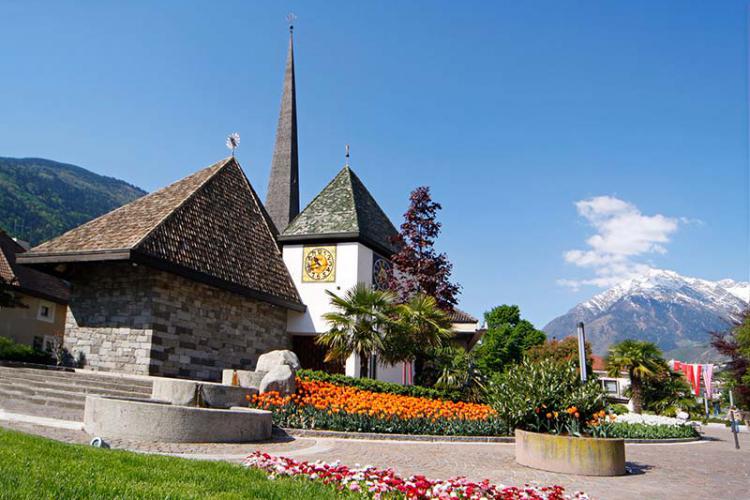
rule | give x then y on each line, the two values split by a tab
45	300
614	387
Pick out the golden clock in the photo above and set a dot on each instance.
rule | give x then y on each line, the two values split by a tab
319	264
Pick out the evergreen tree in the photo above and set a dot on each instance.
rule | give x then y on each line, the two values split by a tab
508	337
419	268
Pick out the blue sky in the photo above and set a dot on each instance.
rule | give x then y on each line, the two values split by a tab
570	143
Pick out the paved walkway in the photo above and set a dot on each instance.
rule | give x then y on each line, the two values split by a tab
711	468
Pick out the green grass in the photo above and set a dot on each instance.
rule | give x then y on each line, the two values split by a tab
35	468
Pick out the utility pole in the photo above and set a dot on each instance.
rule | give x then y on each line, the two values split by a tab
582	351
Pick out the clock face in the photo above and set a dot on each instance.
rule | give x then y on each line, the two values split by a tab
381	273
319	264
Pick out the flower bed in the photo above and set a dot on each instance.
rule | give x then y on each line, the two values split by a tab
379	483
322	405
652	431
373	385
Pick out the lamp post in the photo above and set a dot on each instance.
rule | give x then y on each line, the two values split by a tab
582	351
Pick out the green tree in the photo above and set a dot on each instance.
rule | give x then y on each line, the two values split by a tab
359	323
735	345
641	360
565	350
420	325
667	392
452	368
507	338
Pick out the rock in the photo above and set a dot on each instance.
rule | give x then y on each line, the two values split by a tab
270	360
279	379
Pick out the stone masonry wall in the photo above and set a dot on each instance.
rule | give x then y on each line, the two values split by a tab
198	330
135	319
109	317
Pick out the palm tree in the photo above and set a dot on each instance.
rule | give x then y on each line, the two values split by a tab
361	319
420	325
641	360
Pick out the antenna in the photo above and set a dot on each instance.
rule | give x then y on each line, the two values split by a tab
346	162
233	142
290	18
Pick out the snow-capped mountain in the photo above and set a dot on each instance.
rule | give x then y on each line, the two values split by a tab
676	312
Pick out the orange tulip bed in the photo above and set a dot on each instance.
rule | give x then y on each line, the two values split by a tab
324	405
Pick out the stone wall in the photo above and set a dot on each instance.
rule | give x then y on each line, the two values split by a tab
198	329
136	319
109	317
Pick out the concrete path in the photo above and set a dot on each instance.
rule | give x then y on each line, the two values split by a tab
711	468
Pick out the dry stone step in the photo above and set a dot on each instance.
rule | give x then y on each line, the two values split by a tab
71	382
55	389
57	402
53	375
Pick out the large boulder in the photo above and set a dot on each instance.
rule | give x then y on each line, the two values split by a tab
279	379
270	360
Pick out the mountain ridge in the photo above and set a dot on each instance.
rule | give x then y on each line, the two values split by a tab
41	198
674	311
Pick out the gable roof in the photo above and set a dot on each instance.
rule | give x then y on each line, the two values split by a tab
209	226
459	316
343	210
25	280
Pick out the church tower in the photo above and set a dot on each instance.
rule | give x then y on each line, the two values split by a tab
282	197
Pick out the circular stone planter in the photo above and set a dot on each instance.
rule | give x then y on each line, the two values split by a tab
194	393
571	455
148	420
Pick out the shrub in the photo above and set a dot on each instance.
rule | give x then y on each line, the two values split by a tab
645	431
11	351
372	385
619	409
529	394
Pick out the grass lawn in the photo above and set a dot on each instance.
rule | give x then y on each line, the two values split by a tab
34	467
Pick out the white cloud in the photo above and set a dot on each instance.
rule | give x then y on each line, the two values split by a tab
624	236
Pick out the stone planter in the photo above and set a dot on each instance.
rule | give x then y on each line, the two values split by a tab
571	455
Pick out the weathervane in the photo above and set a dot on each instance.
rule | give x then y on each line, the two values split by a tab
347	155
290	18
233	142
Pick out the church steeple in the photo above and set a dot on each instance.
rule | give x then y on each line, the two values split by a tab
282	197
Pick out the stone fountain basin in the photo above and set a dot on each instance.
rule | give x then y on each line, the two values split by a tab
149	420
197	393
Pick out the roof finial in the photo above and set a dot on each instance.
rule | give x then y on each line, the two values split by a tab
347	156
290	18
233	142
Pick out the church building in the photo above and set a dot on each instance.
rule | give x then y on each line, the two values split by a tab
201	275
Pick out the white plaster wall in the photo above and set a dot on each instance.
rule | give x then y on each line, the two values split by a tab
314	295
353	265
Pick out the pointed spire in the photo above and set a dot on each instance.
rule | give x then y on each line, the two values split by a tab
282	197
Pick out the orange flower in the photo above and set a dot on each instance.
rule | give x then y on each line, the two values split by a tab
335	399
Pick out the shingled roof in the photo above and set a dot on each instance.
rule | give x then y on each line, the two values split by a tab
343	210
459	316
209	226
25	280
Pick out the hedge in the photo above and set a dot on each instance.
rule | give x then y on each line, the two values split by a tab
372	385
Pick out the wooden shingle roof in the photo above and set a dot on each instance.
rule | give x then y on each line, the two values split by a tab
343	210
209	226
25	280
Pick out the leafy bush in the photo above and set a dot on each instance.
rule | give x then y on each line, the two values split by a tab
619	409
645	431
372	385
11	351
529	394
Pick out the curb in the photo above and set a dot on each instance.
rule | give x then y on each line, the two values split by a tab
392	437
313	433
